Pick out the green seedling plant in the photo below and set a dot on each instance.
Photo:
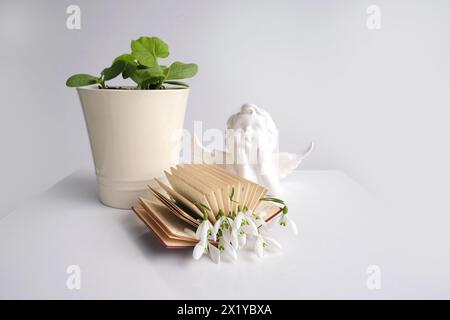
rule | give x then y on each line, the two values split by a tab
142	67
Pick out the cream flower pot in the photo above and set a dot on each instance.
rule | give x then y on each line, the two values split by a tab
135	135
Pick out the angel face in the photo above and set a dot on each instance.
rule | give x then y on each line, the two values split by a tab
253	127
249	122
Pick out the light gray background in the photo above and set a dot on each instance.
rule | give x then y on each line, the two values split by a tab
375	102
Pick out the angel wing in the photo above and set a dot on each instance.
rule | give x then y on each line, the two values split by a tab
287	162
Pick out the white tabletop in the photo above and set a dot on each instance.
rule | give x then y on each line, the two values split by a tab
342	233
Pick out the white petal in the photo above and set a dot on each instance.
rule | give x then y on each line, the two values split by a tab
228	249
226	234
213	235
214	253
216	226
199	250
281	218
234	240
273	242
238	221
251	228
259	247
259	222
204	237
292	225
242	240
202	230
199	231
264	229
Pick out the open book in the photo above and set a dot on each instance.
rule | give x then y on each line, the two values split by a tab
194	192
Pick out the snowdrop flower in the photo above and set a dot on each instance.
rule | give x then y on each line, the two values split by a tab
223	229
284	221
238	238
204	230
256	218
227	249
203	247
281	220
263	242
244	222
230	235
242	225
214	253
223	223
200	248
242	240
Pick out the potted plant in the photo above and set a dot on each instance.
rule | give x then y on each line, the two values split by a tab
134	131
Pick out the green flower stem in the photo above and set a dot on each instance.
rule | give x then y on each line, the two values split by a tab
278	201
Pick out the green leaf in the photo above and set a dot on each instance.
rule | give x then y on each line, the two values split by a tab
177	83
153	72
161	48
164	69
232	194
81	79
180	70
272	199
130	64
204	209
130	67
125	57
116	68
145	77
147	50
151	83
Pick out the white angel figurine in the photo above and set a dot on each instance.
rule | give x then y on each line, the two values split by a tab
252	139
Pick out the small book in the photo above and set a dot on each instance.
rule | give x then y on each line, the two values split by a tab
176	208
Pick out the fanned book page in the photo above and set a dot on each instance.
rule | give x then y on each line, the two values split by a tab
194	192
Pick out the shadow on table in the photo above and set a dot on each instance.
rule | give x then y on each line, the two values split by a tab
147	241
79	187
